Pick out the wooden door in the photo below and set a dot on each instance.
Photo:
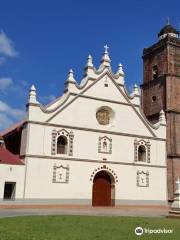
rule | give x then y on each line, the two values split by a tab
101	195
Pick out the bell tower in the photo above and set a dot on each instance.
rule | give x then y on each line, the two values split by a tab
161	90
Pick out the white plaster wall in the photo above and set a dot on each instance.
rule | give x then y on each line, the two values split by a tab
40	172
12	173
85	145
24	139
100	91
126	118
82	113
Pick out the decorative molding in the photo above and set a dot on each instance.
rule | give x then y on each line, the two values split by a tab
97	130
144	143
105	100
53	143
71	137
125	95
60	174
63	132
103	116
68	135
104	168
142	179
105	145
48	157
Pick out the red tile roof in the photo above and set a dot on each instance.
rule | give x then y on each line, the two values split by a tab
7	157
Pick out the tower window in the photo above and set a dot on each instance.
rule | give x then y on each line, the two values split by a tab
62	145
155	72
154	98
142	153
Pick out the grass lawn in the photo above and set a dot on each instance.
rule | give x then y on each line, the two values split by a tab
84	227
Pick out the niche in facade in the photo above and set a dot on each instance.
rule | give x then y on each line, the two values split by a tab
105	145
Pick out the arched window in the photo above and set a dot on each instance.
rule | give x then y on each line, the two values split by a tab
142	153
155	72
61	145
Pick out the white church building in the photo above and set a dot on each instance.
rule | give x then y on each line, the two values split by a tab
91	146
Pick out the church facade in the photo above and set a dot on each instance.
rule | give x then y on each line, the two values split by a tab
93	146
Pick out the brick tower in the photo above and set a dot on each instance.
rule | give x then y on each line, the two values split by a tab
161	90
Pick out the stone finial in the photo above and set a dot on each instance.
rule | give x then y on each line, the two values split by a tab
120	70
70	76
89	68
89	62
105	60
70	83
136	90
162	118
32	95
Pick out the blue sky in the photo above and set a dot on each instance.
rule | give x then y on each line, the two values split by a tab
41	40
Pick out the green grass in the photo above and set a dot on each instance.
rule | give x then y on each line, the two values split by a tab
84	227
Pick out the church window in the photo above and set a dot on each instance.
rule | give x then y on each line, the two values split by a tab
62	142
142	153
61	145
154	98
155	72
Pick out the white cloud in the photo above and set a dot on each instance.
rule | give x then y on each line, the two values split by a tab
8	114
48	98
7	46
51	97
17	113
14	112
5	121
5	83
4	107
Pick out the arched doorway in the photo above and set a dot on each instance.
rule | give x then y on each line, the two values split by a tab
103	189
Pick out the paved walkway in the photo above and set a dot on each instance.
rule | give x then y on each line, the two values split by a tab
30	210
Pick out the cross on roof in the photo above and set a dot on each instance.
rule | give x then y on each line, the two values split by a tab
106	48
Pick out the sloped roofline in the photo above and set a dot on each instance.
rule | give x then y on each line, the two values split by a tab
126	96
13	128
6	157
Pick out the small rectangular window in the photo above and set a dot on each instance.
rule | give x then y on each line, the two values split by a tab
9	190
